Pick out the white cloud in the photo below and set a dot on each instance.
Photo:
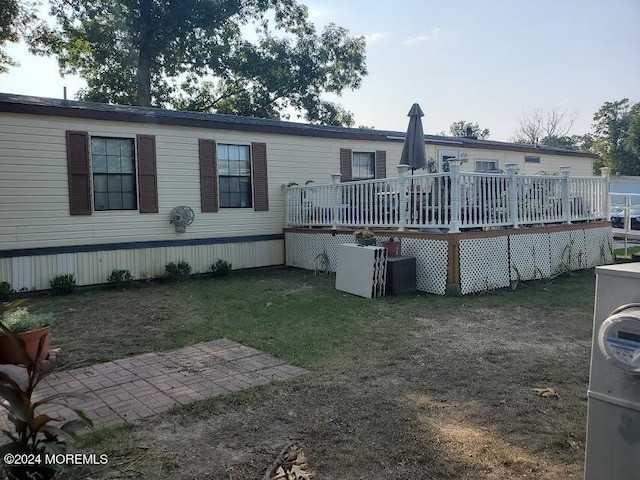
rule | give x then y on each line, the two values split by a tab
432	35
372	38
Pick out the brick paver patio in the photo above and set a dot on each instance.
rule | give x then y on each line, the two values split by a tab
140	386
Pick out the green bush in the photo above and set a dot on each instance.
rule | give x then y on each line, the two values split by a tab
21	320
5	291
63	284
176	272
221	268
120	278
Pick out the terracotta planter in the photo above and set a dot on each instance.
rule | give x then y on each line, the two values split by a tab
392	247
10	354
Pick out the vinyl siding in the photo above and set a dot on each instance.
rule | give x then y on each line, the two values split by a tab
34	201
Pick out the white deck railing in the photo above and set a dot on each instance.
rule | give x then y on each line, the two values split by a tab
451	200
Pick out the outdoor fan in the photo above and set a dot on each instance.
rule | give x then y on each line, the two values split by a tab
182	217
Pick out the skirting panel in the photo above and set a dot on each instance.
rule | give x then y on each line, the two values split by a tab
432	258
91	268
484	264
529	257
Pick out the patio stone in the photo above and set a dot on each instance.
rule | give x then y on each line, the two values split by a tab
137	387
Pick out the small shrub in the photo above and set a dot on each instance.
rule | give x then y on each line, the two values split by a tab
63	284
221	268
177	271
5	291
120	278
365	237
21	320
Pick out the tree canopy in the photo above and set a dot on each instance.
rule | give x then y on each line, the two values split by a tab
468	129
616	136
549	128
15	15
246	57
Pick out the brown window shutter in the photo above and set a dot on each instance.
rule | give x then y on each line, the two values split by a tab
260	185
79	173
345	164
208	175
147	174
381	164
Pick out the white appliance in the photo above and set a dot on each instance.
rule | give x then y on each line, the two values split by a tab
361	270
613	423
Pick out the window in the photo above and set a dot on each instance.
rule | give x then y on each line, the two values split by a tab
486	165
363	165
444	155
234	170
114	176
532	159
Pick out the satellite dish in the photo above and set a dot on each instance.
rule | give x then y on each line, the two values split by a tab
182	217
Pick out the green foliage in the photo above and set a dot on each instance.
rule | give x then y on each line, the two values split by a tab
63	284
322	262
365	237
15	17
221	268
5	291
120	278
463	129
617	137
176	272
159	53
21	320
34	432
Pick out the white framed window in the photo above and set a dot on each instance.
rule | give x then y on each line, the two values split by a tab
486	165
363	165
113	167
531	159
234	173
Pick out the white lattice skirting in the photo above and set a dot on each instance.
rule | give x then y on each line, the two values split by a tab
483	263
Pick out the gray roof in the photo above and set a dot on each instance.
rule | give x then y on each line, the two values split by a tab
127	113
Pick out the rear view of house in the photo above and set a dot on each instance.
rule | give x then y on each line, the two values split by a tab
86	188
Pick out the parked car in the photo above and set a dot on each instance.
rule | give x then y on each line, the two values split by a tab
618	214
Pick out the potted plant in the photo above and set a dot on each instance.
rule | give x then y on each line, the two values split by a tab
393	246
29	328
365	237
34	433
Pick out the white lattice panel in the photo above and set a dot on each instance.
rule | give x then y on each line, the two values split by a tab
484	264
332	247
578	250
560	252
298	250
431	263
599	244
530	257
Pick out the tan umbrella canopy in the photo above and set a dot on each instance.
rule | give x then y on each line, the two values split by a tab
413	153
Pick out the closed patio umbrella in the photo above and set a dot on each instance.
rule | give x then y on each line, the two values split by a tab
413	152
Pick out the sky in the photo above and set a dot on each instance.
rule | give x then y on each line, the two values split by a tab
480	61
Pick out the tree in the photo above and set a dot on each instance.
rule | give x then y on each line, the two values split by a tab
192	54
15	16
468	129
537	126
617	136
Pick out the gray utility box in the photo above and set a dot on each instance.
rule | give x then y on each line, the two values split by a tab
401	275
613	423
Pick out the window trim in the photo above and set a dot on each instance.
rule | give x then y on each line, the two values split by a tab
134	174
373	164
485	160
536	157
250	176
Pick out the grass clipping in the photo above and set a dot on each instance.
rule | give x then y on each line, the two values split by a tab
291	464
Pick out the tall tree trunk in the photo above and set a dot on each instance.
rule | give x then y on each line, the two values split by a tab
143	93
143	75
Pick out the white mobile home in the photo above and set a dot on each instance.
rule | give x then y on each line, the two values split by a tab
86	188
